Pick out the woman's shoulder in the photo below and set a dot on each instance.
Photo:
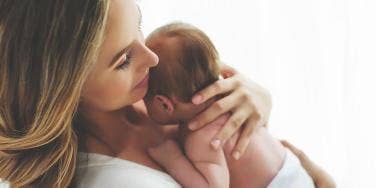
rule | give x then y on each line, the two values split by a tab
97	170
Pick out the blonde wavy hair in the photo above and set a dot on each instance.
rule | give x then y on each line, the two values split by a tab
47	48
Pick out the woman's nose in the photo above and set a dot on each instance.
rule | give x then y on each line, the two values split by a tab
154	58
150	58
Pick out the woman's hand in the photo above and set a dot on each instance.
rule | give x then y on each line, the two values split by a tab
321	178
248	103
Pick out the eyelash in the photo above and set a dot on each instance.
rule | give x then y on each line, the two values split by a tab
125	63
140	25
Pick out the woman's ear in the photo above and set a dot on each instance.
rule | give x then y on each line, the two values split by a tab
164	103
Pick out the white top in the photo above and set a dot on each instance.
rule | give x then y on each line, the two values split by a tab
292	174
110	172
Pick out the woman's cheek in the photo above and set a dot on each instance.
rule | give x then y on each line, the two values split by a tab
118	94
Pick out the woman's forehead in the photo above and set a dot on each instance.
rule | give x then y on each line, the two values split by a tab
123	18
121	28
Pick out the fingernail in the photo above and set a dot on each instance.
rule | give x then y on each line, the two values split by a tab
215	144
236	155
197	99
192	125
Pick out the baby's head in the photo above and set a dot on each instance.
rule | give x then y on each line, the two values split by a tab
188	62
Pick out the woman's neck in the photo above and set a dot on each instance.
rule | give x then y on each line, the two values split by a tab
103	129
120	131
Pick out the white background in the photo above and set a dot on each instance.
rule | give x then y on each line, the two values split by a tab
317	58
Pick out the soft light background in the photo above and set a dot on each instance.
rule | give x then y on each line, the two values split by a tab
317	58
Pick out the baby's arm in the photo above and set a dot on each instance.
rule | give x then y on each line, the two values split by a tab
211	163
169	155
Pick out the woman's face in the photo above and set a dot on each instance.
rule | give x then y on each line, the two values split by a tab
120	77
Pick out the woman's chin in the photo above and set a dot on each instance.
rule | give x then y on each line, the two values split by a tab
139	93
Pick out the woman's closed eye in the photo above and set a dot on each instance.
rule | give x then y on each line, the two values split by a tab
125	61
140	25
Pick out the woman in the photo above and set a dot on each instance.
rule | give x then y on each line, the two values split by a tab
72	74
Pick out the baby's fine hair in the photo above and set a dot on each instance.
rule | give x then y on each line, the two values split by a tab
195	65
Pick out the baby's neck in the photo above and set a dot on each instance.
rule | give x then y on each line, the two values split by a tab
184	121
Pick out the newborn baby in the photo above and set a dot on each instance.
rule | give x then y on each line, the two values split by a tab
188	62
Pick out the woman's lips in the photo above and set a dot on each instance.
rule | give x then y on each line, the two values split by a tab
143	82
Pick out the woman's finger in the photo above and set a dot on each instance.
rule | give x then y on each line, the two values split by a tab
221	86
231	126
304	159
320	177
227	71
245	136
299	153
215	110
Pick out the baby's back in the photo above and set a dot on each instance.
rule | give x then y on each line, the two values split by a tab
260	163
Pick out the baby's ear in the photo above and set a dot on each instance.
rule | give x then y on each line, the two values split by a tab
164	103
